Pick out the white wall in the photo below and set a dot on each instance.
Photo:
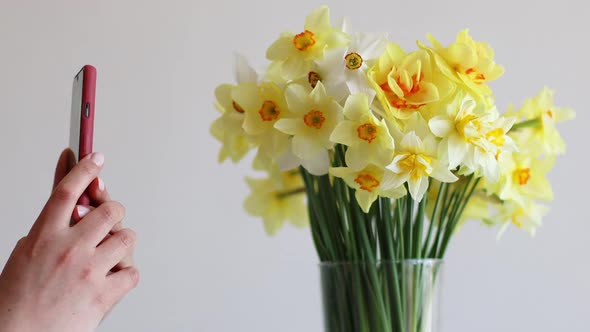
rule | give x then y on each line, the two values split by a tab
206	266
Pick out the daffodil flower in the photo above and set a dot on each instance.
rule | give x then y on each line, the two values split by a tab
416	159
494	145
335	86
523	178
537	131
228	127
527	217
263	106
313	118
367	184
295	53
472	136
351	64
407	82
367	138
470	61
278	200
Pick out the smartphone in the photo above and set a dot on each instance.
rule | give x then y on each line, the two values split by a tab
82	116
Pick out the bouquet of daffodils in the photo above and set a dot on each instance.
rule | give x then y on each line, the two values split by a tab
384	152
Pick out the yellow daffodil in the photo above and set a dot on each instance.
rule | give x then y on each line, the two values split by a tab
527	217
537	132
277	200
470	61
228	127
523	178
313	118
367	184
263	106
367	138
416	159
295	53
350	65
407	82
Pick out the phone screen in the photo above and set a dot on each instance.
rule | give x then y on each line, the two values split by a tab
76	115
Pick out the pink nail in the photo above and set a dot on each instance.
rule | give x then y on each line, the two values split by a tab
100	184
82	210
97	158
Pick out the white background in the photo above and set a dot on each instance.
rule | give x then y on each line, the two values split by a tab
206	265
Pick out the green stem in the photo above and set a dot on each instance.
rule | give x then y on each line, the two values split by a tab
458	216
526	124
408	225
433	218
420	224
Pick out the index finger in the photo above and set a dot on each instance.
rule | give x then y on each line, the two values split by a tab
66	161
59	207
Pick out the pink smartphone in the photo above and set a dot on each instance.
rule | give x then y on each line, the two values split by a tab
82	116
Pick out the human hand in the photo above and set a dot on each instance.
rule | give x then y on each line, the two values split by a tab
61	278
97	193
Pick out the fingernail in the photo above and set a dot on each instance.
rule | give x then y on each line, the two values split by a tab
97	158
82	210
100	184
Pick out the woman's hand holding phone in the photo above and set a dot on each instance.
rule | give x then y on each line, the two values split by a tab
61	277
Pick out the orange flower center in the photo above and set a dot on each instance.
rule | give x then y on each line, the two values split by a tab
313	78
522	176
367	182
304	40
353	61
408	91
550	113
269	111
367	132
475	76
237	107
414	85
314	119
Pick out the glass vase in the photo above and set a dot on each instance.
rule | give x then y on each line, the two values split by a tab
384	296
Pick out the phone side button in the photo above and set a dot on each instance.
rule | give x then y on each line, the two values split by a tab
87	110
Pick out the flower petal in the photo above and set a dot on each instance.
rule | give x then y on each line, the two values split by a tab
457	150
365	199
289	126
319	164
305	147
282	48
318	20
441	126
357	158
244	72
344	133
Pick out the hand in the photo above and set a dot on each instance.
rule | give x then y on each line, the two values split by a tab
61	278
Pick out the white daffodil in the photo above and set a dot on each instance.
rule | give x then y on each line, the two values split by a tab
472	136
367	138
416	159
350	65
311	122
